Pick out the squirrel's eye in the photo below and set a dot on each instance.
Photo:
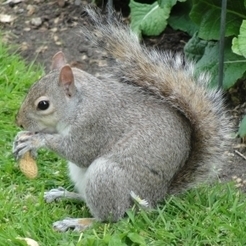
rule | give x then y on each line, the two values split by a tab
43	105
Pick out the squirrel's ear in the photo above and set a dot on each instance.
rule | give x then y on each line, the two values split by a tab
58	61
66	80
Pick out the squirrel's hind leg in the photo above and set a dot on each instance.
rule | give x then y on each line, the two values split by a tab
111	188
79	224
76	224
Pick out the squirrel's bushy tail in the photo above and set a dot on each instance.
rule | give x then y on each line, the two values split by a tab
168	77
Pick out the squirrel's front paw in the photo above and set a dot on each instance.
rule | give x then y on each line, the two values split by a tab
26	141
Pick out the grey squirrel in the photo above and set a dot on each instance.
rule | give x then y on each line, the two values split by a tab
147	127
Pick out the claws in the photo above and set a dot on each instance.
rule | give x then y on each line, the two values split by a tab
23	143
20	150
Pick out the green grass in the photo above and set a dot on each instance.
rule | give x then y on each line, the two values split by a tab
214	215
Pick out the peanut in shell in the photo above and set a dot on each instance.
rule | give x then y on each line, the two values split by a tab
28	166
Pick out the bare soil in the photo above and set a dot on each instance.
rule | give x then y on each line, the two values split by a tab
38	29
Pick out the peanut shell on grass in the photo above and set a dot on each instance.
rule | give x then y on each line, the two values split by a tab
28	166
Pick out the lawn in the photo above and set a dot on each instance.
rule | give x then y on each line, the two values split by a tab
209	215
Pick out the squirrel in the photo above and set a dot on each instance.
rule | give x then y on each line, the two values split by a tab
148	126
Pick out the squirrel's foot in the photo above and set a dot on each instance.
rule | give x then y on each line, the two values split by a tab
54	194
74	224
26	141
59	193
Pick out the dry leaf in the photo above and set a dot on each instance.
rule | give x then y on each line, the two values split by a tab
12	1
29	241
31	9
41	49
6	18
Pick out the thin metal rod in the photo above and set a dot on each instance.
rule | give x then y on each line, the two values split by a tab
222	43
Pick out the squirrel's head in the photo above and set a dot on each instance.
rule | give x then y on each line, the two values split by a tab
48	98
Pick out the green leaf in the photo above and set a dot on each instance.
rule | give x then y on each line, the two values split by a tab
136	238
115	240
164	3
234	65
180	19
206	14
235	47
242	128
239	43
195	48
150	19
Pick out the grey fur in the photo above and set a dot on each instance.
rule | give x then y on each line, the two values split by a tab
146	127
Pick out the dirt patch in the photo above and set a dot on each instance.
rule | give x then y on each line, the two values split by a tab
41	28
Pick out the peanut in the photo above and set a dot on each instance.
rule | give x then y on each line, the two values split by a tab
28	166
